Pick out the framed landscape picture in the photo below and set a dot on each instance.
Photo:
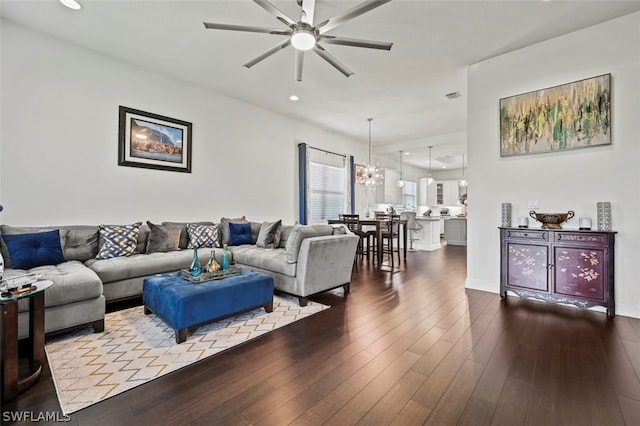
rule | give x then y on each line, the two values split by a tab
569	116
152	141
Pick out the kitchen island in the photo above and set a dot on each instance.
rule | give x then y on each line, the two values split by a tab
427	238
455	230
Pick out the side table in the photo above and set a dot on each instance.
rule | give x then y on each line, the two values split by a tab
12	384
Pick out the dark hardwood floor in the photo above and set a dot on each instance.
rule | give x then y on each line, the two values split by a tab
411	346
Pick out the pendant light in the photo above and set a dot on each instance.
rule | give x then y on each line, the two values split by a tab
401	182
463	181
372	174
430	179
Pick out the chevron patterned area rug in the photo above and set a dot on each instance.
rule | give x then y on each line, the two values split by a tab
135	348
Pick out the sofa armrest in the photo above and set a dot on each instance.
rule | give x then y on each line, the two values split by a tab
325	262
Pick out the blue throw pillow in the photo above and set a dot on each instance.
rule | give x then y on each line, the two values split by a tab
30	250
239	233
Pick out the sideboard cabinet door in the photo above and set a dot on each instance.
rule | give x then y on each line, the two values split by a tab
579	272
527	266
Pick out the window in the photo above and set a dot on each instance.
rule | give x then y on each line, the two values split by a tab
326	191
409	195
325	184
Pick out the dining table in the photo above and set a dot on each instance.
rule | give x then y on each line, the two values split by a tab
379	225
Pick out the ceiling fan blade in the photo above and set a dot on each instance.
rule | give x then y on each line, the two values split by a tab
356	43
308	9
298	64
276	12
278	47
246	28
332	60
354	12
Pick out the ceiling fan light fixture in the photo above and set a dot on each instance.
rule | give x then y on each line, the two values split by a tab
303	39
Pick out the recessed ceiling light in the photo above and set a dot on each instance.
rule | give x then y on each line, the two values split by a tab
407	153
71	4
293	98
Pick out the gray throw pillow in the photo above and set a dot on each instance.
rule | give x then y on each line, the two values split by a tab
269	235
163	238
224	227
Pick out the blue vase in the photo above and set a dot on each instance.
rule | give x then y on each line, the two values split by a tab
195	269
224	261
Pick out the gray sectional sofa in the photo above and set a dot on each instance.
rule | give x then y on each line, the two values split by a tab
307	260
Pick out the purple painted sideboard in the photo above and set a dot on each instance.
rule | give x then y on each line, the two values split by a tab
561	266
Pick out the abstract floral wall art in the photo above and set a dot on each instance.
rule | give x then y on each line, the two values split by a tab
569	116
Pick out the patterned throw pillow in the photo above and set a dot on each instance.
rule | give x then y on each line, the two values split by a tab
118	240
202	235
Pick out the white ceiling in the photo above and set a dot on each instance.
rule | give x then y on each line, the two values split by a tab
402	89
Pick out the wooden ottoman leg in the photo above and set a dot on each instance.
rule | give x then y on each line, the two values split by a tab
302	301
269	307
147	311
181	335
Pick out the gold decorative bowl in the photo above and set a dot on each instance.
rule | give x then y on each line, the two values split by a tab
551	220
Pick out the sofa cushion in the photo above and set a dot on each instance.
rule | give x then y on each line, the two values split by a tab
224	227
34	249
72	282
239	233
285	232
269	259
162	238
269	235
299	233
11	230
184	236
143	236
80	243
141	265
118	240
202	235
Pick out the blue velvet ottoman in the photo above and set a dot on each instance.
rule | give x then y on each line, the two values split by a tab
184	305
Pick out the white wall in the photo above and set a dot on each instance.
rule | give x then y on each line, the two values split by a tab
561	181
59	140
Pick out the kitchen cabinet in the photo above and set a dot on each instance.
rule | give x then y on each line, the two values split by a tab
426	193
447	192
562	266
389	192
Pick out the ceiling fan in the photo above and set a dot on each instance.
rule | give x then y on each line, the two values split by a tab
304	36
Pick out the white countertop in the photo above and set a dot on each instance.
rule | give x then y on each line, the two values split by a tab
428	217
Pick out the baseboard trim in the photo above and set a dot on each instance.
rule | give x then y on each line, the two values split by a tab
622	309
627	310
482	285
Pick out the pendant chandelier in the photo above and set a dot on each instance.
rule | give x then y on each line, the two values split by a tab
463	181
372	174
430	179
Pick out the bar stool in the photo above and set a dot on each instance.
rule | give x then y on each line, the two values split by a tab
352	222
390	232
412	226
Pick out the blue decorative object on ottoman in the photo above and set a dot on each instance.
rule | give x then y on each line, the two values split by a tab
183	304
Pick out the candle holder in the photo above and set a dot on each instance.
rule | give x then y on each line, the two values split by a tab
506	215
604	215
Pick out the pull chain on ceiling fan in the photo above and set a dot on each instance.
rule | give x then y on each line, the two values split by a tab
304	36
